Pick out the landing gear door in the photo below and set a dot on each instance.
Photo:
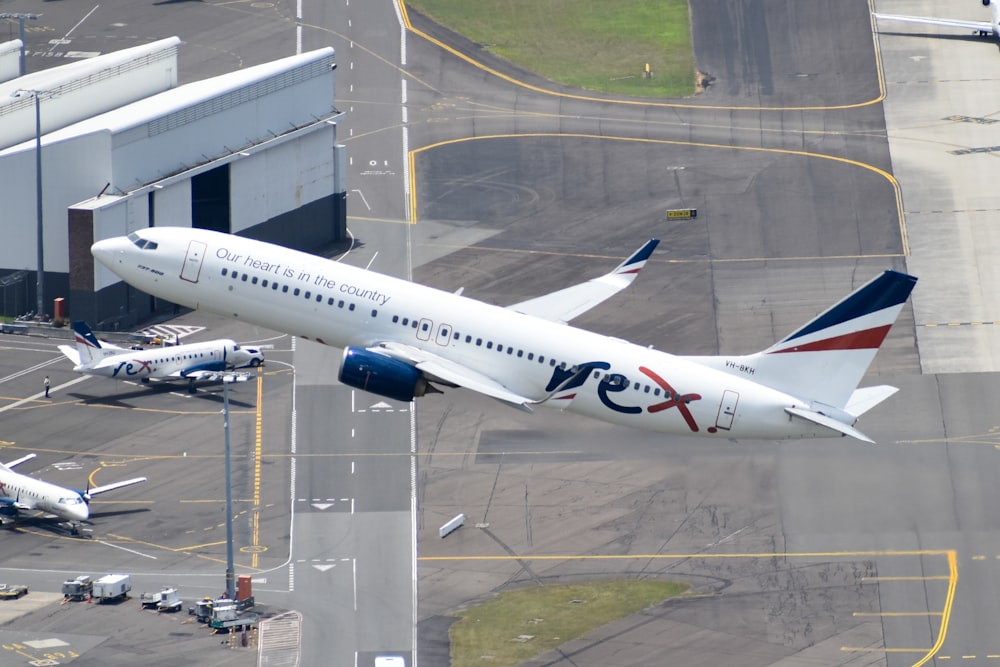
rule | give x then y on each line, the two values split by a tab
727	410
192	261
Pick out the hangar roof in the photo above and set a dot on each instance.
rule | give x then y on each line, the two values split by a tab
174	100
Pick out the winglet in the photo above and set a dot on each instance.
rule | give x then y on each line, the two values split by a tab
565	304
634	264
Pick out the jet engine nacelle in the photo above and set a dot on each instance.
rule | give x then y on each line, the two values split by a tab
382	375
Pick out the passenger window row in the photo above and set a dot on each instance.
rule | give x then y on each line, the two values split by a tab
414	323
285	289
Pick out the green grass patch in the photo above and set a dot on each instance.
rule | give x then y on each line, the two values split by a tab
600	45
551	615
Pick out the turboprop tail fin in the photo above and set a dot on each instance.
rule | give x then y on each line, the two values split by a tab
87	345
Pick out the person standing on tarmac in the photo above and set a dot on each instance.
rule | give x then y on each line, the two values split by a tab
46	383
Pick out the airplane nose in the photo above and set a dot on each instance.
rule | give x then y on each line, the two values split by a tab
82	512
106	250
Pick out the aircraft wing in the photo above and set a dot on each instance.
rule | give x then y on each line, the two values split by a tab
201	374
117	485
71	353
204	371
453	373
17	462
982	26
566	304
195	375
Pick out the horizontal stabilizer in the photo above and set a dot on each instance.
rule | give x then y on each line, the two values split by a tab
17	462
566	304
979	26
829	422
117	485
70	353
866	398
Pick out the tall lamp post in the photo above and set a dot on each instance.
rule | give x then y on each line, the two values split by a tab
230	569
40	228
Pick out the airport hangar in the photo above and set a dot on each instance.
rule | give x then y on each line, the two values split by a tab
123	147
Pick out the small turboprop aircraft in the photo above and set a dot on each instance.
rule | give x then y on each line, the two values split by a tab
20	493
195	361
402	339
989	28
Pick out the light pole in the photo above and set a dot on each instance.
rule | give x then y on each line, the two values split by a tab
230	569
40	228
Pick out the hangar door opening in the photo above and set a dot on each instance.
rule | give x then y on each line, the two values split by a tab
210	203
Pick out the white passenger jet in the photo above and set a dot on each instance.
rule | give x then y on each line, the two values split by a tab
403	340
989	28
20	493
195	361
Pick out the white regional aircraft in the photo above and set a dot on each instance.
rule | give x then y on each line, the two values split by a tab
20	492
195	361
401	339
984	28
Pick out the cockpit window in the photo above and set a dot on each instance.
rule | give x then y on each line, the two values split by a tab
236	347
73	500
141	243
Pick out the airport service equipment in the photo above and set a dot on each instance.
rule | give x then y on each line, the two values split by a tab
12	591
166	600
229	614
79	588
112	587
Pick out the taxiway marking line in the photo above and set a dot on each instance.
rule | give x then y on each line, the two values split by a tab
881	614
40	396
942	577
869	649
794	554
131	551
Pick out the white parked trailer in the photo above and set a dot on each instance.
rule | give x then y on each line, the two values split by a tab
112	587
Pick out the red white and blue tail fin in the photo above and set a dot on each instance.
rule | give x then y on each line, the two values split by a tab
823	362
88	350
86	342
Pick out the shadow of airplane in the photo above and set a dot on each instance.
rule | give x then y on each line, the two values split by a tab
210	391
56	526
970	37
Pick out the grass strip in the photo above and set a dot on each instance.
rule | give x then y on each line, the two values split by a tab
519	624
598	45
